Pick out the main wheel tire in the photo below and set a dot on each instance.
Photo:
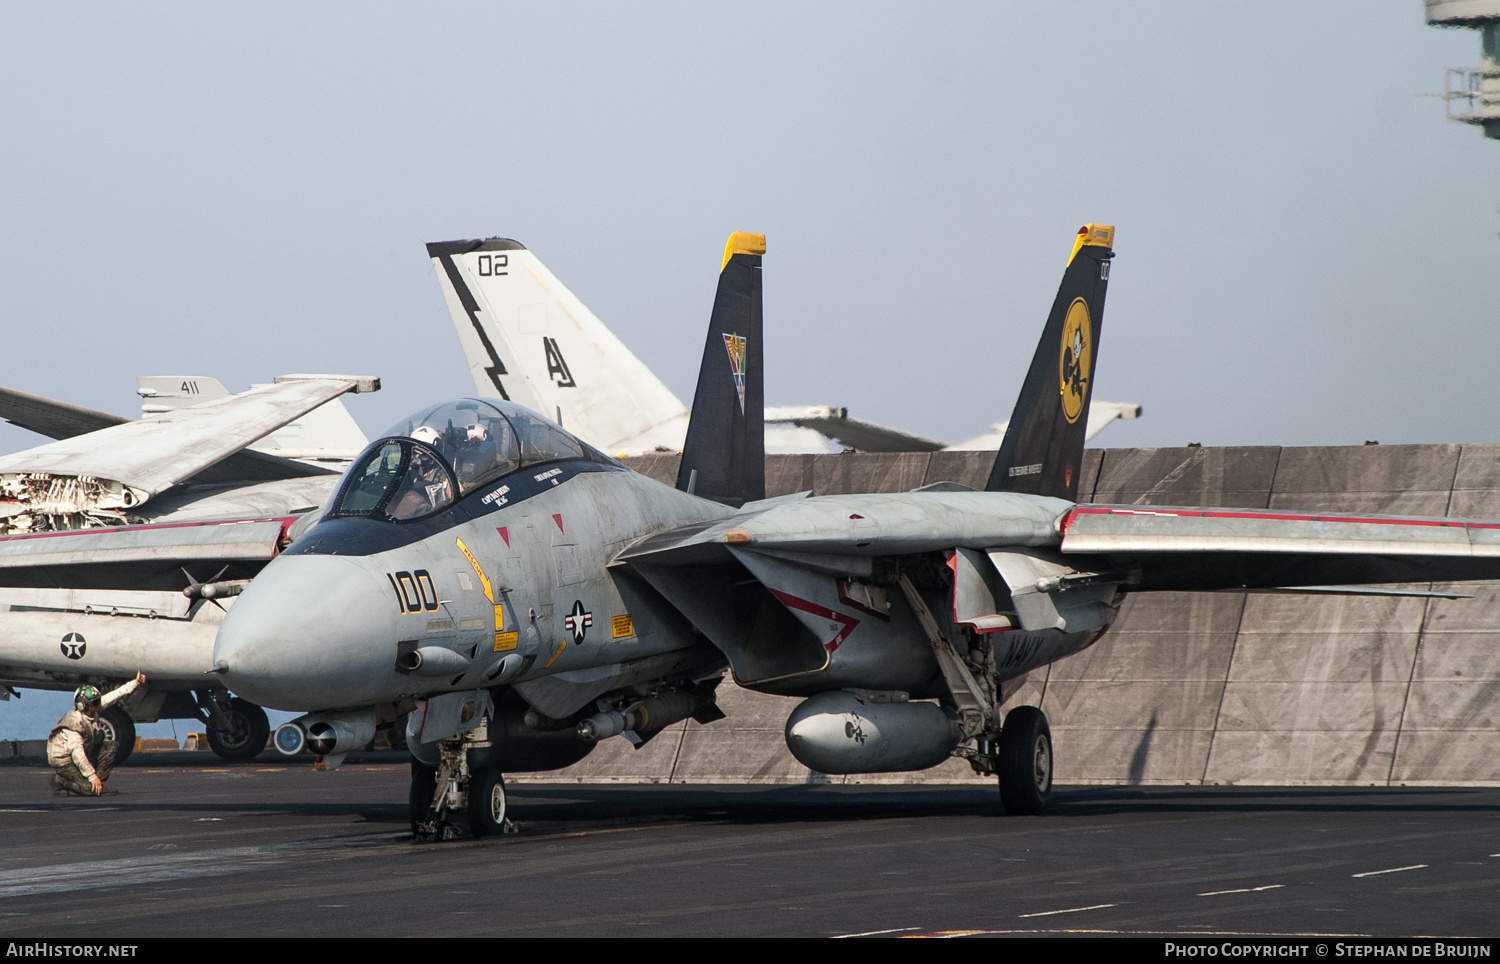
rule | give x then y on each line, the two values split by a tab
1025	758
419	797
246	734
487	803
118	726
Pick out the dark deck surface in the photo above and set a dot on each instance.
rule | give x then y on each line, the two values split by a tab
197	849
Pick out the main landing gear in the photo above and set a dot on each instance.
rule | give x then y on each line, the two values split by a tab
1023	762
238	730
118	726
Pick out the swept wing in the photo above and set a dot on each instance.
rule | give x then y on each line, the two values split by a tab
109	471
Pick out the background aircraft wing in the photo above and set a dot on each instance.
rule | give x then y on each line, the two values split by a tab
1101	414
152	454
160	558
52	418
328	433
834	422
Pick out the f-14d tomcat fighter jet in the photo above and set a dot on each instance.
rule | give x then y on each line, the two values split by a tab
531	596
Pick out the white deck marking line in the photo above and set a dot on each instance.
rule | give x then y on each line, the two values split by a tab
1242	890
127	871
1393	870
1069	910
890	930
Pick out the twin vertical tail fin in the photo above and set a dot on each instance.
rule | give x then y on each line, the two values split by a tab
724	457
1043	447
529	339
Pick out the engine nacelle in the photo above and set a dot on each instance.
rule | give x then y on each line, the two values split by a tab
326	735
843	731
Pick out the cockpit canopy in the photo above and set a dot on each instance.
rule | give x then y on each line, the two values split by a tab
425	462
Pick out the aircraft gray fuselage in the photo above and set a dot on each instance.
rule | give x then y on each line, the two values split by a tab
529	580
323	627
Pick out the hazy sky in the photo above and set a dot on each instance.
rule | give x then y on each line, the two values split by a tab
1307	249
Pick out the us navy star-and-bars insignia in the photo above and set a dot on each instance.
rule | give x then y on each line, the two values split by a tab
578	622
73	646
735	345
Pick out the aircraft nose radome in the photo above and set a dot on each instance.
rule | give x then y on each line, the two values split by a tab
309	633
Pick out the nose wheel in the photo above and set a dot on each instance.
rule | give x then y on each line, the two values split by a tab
487	804
1024	762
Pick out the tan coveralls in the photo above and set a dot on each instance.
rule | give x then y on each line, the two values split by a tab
77	749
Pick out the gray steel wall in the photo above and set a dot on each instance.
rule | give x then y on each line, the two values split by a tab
1195	688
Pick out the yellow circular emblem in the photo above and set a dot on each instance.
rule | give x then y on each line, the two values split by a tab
1075	359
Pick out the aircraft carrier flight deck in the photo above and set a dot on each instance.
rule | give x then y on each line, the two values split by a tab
272	847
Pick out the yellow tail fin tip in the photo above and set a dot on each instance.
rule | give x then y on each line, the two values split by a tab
742	243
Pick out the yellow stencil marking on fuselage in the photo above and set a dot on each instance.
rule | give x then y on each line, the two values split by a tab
483	579
560	647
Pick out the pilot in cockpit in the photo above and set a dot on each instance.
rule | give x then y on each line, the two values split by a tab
473	451
426	487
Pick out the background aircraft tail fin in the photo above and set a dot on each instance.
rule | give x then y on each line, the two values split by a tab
724	458
1043	447
527	338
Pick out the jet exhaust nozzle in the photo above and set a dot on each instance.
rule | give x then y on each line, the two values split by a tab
845	731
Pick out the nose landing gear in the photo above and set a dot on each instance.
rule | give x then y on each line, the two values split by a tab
451	799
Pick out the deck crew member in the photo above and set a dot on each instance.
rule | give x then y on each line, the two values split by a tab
80	756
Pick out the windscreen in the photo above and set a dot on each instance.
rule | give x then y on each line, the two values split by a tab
483	440
473	436
400	480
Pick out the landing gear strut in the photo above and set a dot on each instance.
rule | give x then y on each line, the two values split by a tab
452	788
1024	762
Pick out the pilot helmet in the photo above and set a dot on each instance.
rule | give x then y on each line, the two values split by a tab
426	434
476	433
86	695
